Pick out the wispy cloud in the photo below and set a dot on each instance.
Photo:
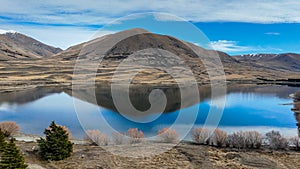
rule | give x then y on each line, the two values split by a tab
166	17
65	23
229	46
272	33
62	37
233	47
6	31
80	12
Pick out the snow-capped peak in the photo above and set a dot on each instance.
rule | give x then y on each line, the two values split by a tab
2	31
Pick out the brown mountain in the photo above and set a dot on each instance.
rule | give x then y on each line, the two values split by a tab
129	45
113	49
142	40
284	61
133	47
19	46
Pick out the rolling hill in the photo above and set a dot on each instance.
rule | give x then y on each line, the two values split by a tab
19	46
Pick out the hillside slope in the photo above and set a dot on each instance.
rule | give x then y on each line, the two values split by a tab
19	46
284	61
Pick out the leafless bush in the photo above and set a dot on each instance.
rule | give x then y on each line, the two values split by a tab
9	127
252	139
236	140
276	141
244	139
135	135
295	142
118	138
219	138
201	135
167	135
96	137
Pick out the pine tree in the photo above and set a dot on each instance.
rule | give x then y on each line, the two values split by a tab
56	145
11	157
2	142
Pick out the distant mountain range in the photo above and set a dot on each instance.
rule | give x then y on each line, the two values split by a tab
19	46
251	68
284	61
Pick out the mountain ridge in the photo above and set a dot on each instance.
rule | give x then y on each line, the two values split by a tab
19	46
112	49
282	61
38	49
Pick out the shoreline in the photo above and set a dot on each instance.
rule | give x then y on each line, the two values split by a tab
183	155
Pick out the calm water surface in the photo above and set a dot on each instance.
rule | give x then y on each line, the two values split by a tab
259	109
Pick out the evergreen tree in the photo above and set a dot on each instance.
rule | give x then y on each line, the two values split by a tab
56	146
11	157
2	142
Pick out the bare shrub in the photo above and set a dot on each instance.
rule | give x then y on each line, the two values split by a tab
96	137
276	141
236	140
201	135
167	135
118	138
9	127
295	142
244	139
252	139
219	138
135	135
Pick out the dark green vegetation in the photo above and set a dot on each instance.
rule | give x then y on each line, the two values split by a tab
56	146
11	157
2	141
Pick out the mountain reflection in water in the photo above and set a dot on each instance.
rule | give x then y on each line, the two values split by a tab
247	106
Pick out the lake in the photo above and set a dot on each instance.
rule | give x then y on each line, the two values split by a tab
261	108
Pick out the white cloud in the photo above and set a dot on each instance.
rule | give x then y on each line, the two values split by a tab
272	33
62	37
64	21
229	46
233	47
166	17
89	11
6	31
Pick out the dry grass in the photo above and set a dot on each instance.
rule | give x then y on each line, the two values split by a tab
183	155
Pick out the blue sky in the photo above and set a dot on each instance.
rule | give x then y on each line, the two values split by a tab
235	27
